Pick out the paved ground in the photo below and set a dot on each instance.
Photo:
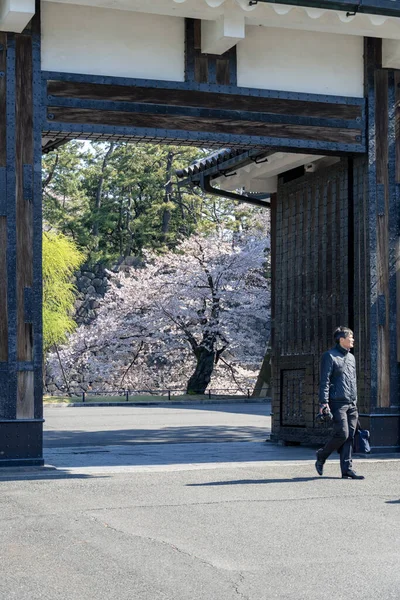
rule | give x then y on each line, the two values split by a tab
248	520
91	426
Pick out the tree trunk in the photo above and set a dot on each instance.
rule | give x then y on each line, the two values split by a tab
166	217
99	191
201	377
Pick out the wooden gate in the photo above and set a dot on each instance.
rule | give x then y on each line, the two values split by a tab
312	250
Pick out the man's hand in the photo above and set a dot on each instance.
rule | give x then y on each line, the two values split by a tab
321	407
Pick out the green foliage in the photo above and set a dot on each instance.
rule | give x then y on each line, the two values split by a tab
116	200
60	259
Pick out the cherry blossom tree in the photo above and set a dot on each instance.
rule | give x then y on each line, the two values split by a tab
185	317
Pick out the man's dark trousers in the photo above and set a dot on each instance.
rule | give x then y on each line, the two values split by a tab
345	418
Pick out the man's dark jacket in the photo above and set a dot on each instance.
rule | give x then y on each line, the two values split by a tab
338	378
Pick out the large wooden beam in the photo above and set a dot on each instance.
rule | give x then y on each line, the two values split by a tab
201	124
232	116
239	99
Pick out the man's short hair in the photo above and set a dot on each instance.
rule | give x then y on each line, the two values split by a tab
341	332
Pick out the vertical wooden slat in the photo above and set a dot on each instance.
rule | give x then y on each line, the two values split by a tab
3	208
321	343
223	71
9	406
393	199
397	122
273	265
37	290
201	69
330	254
382	180
325	265
3	291
397	180
305	269
291	258
315	267
302	269
372	61
274	396
197	34
189	50
24	173
284	272
344	225
3	91
290	274
334	260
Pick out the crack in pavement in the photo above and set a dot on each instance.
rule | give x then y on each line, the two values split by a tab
185	553
236	587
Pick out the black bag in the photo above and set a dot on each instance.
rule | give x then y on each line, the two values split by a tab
361	440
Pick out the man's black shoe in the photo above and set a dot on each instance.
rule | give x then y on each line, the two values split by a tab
319	465
352	475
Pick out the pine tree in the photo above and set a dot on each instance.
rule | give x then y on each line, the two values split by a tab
61	258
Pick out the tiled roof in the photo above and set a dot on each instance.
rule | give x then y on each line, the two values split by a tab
212	160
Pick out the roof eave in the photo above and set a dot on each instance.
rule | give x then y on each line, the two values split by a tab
375	7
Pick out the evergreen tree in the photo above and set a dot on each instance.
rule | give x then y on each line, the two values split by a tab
118	199
61	258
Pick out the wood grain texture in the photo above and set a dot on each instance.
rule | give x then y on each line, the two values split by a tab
201	69
398	297
280	106
223	71
3	291
200	124
361	282
382	233
397	123
3	220
24	158
3	90
25	395
310	290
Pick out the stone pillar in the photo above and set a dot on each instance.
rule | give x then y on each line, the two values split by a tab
21	416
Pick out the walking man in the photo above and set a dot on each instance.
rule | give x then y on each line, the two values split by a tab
338	390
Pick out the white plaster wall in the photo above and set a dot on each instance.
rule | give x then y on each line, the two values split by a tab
301	61
98	41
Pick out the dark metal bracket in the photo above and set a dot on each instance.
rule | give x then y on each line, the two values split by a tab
209	189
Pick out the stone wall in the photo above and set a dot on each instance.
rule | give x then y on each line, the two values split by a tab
92	283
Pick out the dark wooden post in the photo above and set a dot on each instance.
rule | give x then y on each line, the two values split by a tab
21	421
381	221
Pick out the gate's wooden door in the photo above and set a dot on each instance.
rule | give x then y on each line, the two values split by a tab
311	256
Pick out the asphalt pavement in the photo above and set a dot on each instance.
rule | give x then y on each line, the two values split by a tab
235	518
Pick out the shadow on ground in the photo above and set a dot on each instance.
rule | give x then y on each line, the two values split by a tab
37	473
168	435
259	481
165	455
